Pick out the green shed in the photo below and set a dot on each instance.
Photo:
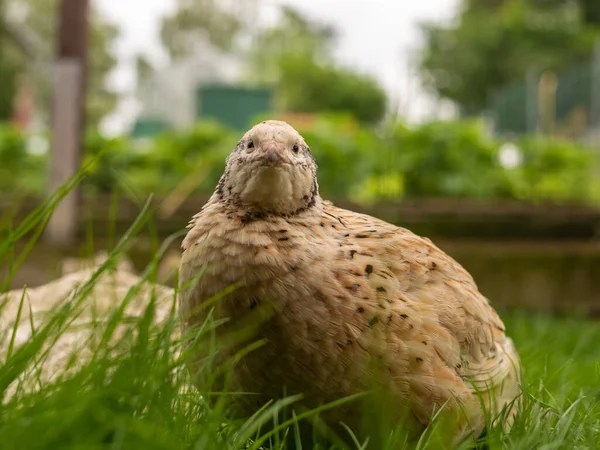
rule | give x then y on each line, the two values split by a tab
147	127
234	106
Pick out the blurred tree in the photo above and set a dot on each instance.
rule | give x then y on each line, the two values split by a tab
295	37
220	22
296	56
309	87
38	17
497	41
590	9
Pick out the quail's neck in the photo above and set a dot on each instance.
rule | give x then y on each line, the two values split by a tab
233	205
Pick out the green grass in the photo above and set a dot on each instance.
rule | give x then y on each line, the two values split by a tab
134	392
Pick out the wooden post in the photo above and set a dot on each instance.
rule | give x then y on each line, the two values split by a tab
68	116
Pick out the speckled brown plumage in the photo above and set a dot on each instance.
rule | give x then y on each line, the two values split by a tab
350	295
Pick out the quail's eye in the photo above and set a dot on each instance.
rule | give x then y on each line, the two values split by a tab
250	143
295	148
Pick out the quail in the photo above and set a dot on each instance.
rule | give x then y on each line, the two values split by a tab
354	302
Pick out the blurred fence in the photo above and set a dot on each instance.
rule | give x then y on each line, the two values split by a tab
508	220
564	104
543	257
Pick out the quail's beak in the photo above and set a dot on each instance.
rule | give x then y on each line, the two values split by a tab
273	154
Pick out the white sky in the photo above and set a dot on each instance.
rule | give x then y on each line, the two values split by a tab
375	36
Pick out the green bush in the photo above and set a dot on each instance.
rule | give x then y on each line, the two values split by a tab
13	149
173	158
344	153
457	159
106	161
446	159
553	170
21	171
308	87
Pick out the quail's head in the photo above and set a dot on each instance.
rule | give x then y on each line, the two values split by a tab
271	169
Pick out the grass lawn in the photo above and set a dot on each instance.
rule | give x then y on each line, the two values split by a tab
130	394
133	398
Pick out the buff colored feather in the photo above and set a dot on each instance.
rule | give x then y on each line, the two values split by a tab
349	294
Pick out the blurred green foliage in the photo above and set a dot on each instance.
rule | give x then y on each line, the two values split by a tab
159	165
309	87
21	171
175	157
449	159
295	56
218	22
495	42
37	22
